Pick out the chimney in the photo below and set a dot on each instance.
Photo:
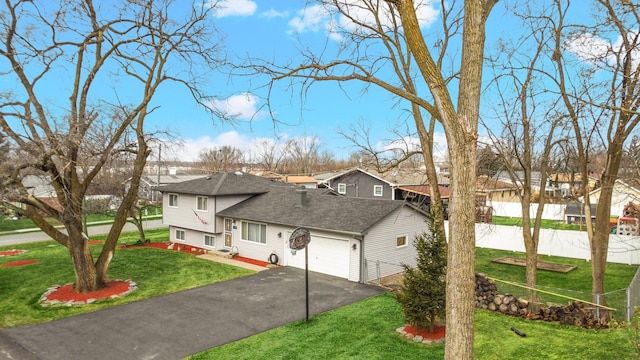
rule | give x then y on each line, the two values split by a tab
301	197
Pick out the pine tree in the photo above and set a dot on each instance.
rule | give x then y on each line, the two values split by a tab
423	292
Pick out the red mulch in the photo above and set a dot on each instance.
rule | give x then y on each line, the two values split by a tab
20	263
437	334
251	261
66	292
94	242
12	252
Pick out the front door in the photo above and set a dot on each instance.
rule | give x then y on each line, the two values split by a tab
228	233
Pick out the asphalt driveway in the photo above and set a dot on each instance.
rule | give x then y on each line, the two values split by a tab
177	325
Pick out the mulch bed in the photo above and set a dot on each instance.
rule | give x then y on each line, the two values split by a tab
12	252
65	295
542	265
19	263
423	335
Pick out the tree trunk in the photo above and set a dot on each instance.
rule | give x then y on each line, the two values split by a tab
460	254
600	242
84	267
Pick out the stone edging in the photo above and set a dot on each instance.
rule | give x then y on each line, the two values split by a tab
418	338
45	302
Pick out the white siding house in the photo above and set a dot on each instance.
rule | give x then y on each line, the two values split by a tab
254	217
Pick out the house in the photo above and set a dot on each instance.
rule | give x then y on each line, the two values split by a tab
536	180
491	189
570	184
353	238
357	183
300	180
623	194
420	195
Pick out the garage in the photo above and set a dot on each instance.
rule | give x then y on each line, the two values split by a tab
326	255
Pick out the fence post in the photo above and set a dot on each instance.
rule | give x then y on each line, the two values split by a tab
378	272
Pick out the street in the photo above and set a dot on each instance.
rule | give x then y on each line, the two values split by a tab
35	236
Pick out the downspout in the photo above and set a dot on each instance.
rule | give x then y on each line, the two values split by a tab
363	261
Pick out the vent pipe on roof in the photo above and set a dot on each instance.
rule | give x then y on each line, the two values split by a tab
301	197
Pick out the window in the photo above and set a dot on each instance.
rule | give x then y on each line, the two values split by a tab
401	241
201	203
254	232
342	188
209	240
180	235
377	190
173	200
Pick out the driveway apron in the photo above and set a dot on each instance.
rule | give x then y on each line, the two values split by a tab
177	325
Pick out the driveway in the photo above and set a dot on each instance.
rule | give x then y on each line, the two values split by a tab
177	325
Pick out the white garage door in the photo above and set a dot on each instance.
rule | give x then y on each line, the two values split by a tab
326	255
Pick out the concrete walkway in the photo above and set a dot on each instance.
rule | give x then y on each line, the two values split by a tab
177	325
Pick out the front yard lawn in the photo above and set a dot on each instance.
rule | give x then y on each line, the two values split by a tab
157	272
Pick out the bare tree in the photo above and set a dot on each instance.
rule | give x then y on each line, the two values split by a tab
138	46
302	155
269	154
599	84
225	158
530	130
378	34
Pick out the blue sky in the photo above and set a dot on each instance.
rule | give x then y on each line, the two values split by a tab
276	30
273	30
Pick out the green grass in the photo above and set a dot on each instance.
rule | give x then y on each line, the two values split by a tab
24	223
366	330
576	283
545	224
157	272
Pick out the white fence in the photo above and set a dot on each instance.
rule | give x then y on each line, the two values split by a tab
514	209
565	243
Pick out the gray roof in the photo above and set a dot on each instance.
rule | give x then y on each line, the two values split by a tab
320	210
275	202
223	183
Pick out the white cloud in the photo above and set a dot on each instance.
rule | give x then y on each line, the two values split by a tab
241	107
596	50
317	18
223	8
310	19
271	13
412	144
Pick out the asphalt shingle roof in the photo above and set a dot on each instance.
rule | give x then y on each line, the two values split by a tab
224	183
277	203
320	210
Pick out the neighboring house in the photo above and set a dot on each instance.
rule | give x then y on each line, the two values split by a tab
149	183
356	239
623	193
491	189
359	183
39	186
536	181
570	184
300	180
